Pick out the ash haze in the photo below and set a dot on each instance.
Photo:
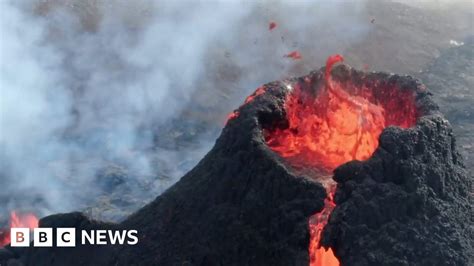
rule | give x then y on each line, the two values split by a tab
105	104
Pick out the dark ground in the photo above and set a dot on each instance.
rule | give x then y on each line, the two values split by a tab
451	79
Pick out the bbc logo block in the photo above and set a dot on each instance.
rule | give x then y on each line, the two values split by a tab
20	237
43	237
66	237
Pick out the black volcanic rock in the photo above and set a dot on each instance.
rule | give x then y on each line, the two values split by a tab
239	206
243	205
410	204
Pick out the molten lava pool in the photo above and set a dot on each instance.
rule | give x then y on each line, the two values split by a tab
334	122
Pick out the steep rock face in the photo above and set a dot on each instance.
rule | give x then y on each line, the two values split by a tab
409	204
238	206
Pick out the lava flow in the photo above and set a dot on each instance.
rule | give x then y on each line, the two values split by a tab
336	124
259	91
27	220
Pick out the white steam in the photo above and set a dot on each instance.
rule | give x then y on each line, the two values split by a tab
89	86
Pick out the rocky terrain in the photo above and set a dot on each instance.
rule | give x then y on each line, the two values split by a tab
410	204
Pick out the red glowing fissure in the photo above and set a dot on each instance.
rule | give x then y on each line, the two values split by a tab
259	91
17	220
340	123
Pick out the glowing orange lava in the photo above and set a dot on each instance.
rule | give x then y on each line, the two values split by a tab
27	220
232	115
259	91
318	255
338	123
295	55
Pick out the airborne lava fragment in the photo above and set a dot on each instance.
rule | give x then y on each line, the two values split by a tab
295	55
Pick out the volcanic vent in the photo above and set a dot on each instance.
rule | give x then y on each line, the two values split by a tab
263	194
331	122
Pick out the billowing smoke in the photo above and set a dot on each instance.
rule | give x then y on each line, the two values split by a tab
108	103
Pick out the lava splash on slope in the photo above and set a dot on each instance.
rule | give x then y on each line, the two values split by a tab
331	125
17	220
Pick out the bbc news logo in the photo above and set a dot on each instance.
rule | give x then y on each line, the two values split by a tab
66	237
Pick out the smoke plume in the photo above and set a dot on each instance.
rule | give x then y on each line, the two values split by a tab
102	97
